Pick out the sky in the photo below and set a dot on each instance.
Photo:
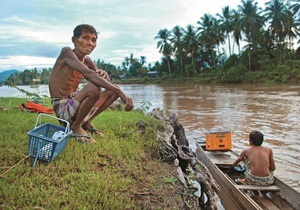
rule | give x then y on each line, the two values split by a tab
32	32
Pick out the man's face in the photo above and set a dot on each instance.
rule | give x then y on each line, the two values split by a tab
86	43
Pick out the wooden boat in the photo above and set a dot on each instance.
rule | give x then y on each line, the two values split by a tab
233	196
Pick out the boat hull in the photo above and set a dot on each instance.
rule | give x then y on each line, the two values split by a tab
233	198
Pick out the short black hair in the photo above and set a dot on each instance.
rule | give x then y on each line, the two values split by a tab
256	137
84	27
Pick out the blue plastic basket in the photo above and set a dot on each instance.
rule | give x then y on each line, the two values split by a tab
41	144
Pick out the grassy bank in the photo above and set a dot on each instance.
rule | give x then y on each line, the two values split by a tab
121	171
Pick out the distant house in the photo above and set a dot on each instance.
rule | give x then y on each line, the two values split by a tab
37	80
152	74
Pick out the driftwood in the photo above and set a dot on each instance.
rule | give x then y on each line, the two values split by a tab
175	148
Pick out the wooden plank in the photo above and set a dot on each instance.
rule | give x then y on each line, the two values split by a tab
255	187
221	158
265	203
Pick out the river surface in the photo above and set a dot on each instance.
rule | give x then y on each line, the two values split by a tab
272	109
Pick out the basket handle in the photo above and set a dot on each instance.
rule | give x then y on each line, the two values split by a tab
38	121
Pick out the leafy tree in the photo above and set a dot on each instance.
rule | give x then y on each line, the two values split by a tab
295	8
177	44
190	40
292	27
226	23
210	35
143	60
164	45
251	23
237	30
276	14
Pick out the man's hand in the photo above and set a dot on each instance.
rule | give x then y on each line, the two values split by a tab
127	101
103	74
128	104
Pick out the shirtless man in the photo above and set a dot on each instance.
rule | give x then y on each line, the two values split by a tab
81	107
259	162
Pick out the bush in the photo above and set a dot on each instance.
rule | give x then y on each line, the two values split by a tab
234	74
254	77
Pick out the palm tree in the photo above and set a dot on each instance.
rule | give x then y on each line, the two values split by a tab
177	44
131	59
124	65
219	34
277	15
143	60
250	22
126	62
237	31
190	40
292	27
164	45
295	7
210	34
226	23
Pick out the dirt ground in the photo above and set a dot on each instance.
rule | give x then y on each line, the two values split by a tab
168	192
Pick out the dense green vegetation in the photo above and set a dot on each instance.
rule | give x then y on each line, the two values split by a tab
268	36
121	171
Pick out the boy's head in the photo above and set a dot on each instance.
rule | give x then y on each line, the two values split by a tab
84	28
256	137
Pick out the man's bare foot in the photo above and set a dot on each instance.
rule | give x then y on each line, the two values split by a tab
92	129
241	181
84	139
82	136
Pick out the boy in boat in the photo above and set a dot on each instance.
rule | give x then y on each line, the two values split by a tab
81	107
259	161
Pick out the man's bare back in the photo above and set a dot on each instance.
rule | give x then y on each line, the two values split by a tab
259	160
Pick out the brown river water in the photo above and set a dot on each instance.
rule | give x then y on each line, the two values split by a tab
272	109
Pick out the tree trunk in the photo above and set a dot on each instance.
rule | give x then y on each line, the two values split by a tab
181	63
249	59
169	67
193	63
229	44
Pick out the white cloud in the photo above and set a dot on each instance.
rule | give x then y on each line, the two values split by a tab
26	62
35	29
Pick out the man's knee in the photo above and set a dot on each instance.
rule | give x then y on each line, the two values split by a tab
113	95
95	91
92	91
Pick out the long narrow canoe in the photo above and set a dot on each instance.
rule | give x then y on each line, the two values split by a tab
233	196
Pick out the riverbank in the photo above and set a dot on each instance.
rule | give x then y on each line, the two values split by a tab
166	80
205	79
121	171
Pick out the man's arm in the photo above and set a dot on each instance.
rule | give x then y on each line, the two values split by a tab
70	58
240	158
272	162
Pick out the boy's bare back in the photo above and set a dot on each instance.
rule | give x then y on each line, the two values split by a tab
260	159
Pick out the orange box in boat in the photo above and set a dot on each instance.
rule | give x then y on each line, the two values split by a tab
220	140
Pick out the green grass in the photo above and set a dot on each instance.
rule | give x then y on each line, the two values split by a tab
114	173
